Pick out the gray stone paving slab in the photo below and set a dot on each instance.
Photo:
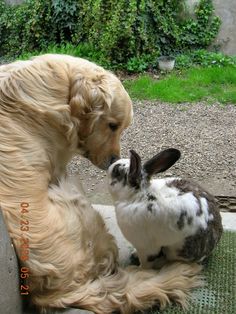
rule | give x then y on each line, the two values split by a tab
10	302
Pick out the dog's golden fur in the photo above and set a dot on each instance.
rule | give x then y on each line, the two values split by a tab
51	108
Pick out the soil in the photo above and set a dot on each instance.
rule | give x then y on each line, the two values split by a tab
205	135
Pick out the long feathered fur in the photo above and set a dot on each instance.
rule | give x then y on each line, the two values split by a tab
51	108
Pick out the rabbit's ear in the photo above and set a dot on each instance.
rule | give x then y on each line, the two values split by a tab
162	161
134	175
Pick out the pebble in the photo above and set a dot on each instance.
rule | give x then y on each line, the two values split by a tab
200	133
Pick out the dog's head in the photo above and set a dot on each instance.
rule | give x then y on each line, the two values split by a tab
103	109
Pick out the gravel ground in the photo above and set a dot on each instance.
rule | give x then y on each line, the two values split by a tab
205	134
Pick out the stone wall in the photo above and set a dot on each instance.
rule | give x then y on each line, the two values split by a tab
226	10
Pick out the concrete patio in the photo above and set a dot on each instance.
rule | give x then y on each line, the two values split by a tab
10	302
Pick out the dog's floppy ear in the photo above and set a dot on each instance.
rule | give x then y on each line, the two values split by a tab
162	161
135	174
89	96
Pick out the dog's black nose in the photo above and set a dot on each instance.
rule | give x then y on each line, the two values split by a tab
113	159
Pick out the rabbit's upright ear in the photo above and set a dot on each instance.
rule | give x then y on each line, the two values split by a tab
162	161
134	175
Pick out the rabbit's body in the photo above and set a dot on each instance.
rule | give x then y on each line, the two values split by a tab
171	216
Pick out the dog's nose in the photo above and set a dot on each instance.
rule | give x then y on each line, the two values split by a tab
113	159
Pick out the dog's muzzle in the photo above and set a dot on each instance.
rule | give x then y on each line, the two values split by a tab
106	164
113	159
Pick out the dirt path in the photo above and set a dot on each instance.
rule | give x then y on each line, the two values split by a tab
206	136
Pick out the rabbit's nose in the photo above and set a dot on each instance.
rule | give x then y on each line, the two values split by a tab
113	159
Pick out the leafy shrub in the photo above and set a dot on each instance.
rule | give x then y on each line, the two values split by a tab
139	64
123	30
26	26
204	58
183	61
199	32
130	29
36	24
65	15
129	34
83	50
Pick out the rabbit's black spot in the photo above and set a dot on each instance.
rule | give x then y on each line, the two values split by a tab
203	241
200	244
151	197
134	260
181	220
115	171
199	211
150	207
197	245
118	172
190	220
153	257
186	186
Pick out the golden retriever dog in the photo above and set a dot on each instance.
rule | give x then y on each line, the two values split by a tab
51	108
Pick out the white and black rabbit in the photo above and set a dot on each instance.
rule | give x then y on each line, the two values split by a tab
172	217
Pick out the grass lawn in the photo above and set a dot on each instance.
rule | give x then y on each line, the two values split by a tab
196	84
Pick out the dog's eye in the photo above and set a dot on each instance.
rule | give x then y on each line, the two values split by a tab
113	126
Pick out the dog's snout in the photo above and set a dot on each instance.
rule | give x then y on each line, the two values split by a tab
107	162
113	159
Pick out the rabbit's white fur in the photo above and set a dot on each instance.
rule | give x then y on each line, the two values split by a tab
157	215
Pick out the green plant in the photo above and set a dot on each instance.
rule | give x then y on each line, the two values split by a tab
36	24
83	50
138	64
209	84
65	15
125	34
125	30
183	61
26	27
198	32
204	58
